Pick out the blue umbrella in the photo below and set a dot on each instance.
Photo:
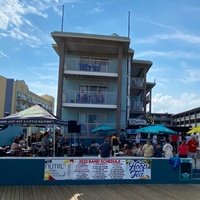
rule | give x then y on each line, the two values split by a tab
156	129
104	128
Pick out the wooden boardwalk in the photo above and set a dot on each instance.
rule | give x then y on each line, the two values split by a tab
101	192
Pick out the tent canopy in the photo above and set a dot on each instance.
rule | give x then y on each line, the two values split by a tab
155	129
104	128
32	116
194	130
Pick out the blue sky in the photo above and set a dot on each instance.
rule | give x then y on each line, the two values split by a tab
165	32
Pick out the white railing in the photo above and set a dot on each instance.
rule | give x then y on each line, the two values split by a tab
93	65
90	97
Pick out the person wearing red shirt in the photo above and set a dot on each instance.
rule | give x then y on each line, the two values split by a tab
174	142
192	149
183	150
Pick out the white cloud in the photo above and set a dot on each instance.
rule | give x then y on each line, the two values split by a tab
41	88
14	22
98	9
148	40
47	72
157	24
166	103
168	54
189	38
191	76
191	9
174	35
16	33
12	13
3	55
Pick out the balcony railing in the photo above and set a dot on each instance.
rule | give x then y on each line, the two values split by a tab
92	65
89	97
21	97
137	106
137	82
21	107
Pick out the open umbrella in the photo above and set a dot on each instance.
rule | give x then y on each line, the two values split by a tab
155	129
194	130
104	128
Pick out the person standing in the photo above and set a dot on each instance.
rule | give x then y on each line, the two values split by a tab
168	149
45	145
158	149
115	143
183	149
192	149
147	149
174	142
105	149
137	138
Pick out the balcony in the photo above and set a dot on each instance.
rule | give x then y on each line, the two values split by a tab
21	107
137	106
80	98
22	97
96	67
137	82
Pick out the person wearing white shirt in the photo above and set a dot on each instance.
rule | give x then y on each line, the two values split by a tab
168	149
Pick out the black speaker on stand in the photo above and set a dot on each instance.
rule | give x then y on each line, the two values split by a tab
72	126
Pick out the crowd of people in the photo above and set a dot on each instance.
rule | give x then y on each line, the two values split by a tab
182	145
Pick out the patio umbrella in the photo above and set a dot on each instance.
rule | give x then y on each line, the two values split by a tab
155	129
104	128
194	130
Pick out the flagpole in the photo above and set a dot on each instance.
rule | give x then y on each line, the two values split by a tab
129	23
63	12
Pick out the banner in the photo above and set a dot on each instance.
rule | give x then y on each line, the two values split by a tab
97	169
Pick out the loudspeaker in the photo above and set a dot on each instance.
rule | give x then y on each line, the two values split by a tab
78	128
72	126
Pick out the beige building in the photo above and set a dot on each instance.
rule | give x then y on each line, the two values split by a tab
16	96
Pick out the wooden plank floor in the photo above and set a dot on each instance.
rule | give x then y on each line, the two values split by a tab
101	192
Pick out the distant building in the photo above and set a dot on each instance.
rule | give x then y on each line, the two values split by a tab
100	82
15	97
161	118
188	118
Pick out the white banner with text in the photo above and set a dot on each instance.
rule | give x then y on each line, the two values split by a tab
97	169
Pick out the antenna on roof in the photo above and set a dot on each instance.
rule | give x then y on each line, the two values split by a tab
129	23
63	12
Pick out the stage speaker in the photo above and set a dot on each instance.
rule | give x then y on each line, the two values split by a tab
72	126
78	128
